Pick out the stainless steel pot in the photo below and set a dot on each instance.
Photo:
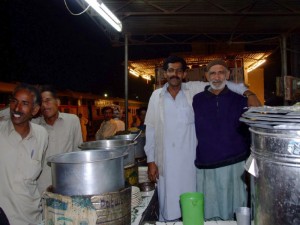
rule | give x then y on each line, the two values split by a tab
118	145
139	148
87	172
276	181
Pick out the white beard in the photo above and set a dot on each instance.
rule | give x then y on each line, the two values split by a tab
219	87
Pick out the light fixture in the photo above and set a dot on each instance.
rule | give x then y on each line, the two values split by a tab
147	77
255	65
106	13
133	72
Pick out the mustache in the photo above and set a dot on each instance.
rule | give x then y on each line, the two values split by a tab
18	113
174	77
216	82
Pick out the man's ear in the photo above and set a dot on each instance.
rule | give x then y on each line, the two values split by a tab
184	75
227	74
206	75
58	101
165	74
35	110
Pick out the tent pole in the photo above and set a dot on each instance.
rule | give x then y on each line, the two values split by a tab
126	82
283	66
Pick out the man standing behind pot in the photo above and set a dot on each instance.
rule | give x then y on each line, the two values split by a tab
108	127
120	123
23	145
83	123
141	114
171	138
63	128
223	144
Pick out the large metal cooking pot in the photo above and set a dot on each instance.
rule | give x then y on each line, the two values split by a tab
87	172
118	145
139	148
276	181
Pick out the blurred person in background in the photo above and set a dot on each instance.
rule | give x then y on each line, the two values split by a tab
108	127
120	123
131	119
63	128
141	114
22	148
83	123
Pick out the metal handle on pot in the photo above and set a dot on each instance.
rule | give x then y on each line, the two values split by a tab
137	136
125	153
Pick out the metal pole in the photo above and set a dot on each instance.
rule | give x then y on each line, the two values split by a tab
283	56
283	65
126	82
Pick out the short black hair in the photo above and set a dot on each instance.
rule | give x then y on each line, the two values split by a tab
174	59
106	108
32	89
50	89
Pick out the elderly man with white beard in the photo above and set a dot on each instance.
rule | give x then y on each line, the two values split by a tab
223	144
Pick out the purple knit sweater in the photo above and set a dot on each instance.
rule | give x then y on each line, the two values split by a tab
222	139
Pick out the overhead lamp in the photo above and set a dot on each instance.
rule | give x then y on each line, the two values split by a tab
147	77
133	72
255	65
101	8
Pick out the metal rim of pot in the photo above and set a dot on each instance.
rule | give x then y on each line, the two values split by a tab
89	145
51	159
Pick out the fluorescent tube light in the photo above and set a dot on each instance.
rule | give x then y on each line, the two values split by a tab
100	8
147	77
133	72
255	65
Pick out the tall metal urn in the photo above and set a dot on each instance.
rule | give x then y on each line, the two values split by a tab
275	186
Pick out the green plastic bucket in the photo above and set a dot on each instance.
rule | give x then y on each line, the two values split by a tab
192	208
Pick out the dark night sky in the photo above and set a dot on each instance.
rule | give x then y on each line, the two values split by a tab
43	43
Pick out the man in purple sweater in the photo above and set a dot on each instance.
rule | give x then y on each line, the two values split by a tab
223	144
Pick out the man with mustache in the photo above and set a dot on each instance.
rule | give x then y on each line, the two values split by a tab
171	138
63	128
223	144
108	126
23	145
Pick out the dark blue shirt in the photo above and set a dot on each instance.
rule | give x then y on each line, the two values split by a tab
222	139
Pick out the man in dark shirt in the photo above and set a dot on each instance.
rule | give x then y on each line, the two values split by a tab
223	144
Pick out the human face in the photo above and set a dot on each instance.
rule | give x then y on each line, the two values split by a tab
175	74
142	115
217	76
50	105
108	114
22	107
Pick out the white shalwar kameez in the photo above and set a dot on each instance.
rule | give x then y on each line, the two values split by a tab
179	154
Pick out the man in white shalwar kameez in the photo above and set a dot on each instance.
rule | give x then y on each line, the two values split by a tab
171	139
